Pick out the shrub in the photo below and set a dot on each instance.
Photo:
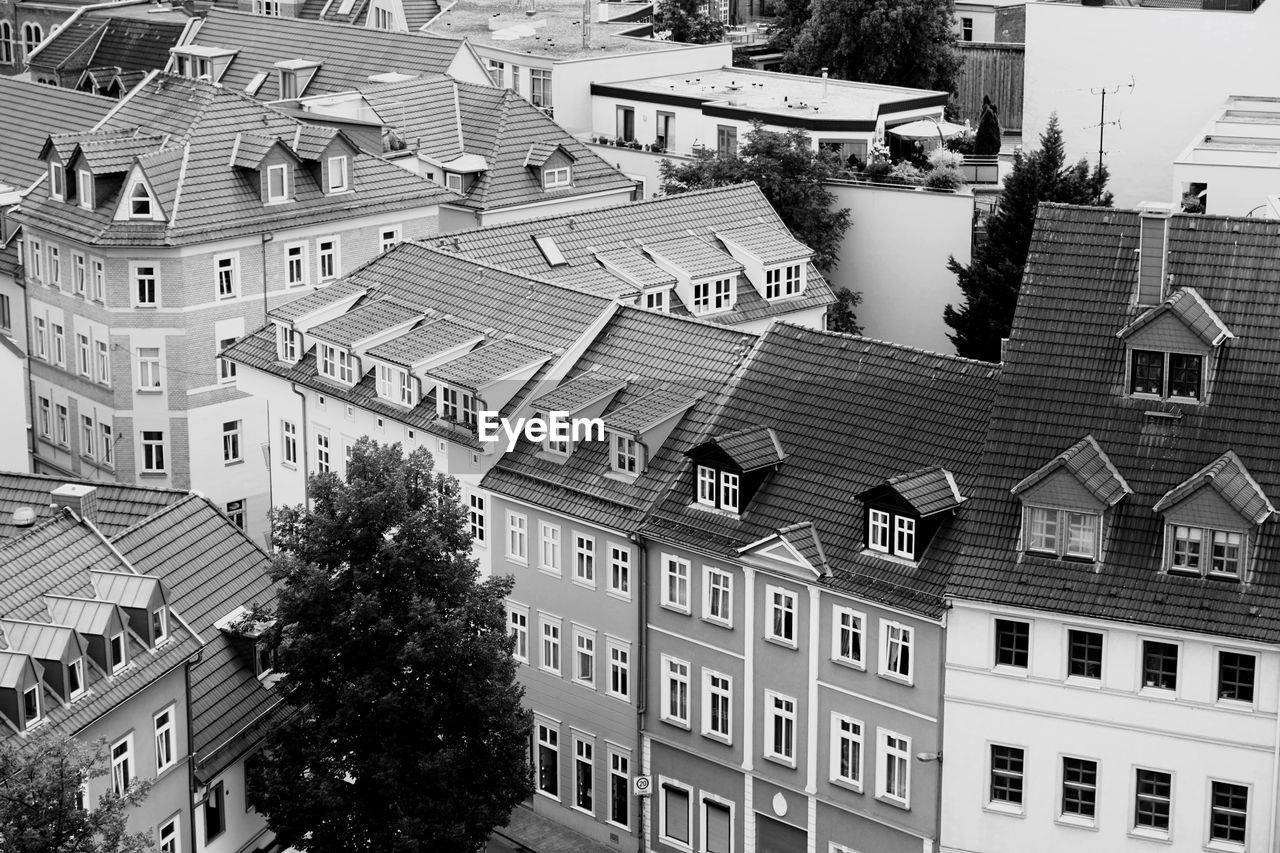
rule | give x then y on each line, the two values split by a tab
941	158
944	178
905	173
878	171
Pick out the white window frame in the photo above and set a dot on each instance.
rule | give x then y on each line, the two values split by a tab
663	817
776	714
38	713
711	799
705	490
713	694
57	181
619	655
904	537
330	257
619	768
584	752
584	559
84	356
584	649
98	279
232	442
878	522
674	686
166	739
624	455
137	278
717	595
905	638
518	537
324	448
122	769
296	259
780	600
883	752
551	643
78	666
547	736
107	444
153	443
388	237
79	274
857	624
344	183
557	177
58	337
278	170
169	835
730	493
518	626
226	271
620	570
675	578
550	547
855	740
102	362
478	518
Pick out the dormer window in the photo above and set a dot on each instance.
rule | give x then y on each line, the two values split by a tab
84	188
780	282
889	532
624	456
287	344
288	84
118	660
1061	532
552	178
711	296
719	489
1167	375
656	300
1170	348
277	184
139	201
264	657
337	363
159	626
31	705
57	181
396	385
1205	551
453	181
456	405
338	179
75	678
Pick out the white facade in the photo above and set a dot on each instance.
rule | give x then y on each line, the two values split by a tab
1232	167
1188	733
1182	64
14	414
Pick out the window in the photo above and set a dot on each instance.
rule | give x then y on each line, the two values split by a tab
84	363
717	598
665	126
6	43
583	773
675	691
517	537
55	266
846	751
1229	813
327	251
498	72
79	274
1152	800
337	363
226	367
728	491
31	706
1187	551
626	123
717	695
558	177
625	458
1013	643
619	670
165	757
139	201
46	417
706	486
1079	788
289	442
235	514
846	640
895	656
98	279
549	760
781	624
215	813
277	184
323	460
121	765
1236	676
904	536
675	815
108	443
1062	533
388	238
62	423
451	408
453	182
41	337
59	344
295	265
287	344
675	583
337	168
153	451
1006	776
1159	665
656	300
1165	374
169	840
878	530
966	29
540	88
518	627
6	312
584	656
1084	654
584	559
780	728
619	788
549	546
57	181
32	35
783	281
619	569
145	286
894	780
726	141
75	678
477	520
86	436
550	645
717	826
270	8
231	442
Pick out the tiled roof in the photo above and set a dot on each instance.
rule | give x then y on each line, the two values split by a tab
100	41
1089	464
209	198
68	41
752	448
124	588
928	491
636	265
852	413
769	244
433	336
38	639
1064	377
362	323
442	117
1229	478
1187	305
539	152
582	391
315	300
32	112
490	362
804	538
117	505
696	257
348	55
647	411
580	235
693	360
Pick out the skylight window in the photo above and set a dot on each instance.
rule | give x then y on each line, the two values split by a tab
550	251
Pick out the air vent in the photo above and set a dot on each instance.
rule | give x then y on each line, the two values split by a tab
24	516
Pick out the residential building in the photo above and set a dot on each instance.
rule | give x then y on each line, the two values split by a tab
552	55
1113	662
649	119
108	51
721	254
794	600
206	571
508	159
1155	98
563	517
290	58
1232	167
24	24
985	20
398	15
161	236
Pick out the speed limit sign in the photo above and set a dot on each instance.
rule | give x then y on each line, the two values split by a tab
642	786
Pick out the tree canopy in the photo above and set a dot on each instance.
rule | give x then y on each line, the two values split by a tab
895	42
792	177
408	728
40	809
684	23
990	282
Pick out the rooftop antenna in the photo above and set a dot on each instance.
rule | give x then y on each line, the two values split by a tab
1102	122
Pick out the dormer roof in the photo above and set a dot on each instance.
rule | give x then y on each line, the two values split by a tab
428	340
797	545
693	256
1232	481
1086	461
635	266
487	364
767	243
135	592
749	449
38	639
928	491
87	615
540	152
250	149
579	392
14	667
646	412
363	323
1188	306
111	153
340	291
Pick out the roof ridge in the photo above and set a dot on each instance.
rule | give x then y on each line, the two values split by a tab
889	344
62	516
164	509
435	250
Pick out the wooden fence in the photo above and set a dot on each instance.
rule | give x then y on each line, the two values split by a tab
994	70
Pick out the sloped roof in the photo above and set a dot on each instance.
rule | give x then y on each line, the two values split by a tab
1229	478
636	265
695	256
1186	304
116	505
579	392
38	639
1063	377
1089	464
649	410
433	336
315	300
852	413
580	235
750	449
362	323
99	40
12	667
32	112
928	491
768	244
489	362
212	199
348	55
125	588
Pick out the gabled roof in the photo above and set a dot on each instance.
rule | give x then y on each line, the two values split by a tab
580	392
38	639
114	151
694	256
768	244
750	449
252	148
796	544
1087	462
362	323
491	362
32	112
648	411
1229	478
13	667
928	491
343	289
636	266
540	152
116	505
127	589
1063	377
1187	305
98	40
432	337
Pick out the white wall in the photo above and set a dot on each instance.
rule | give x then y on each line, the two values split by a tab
895	253
15	412
1183	64
1234	190
984	21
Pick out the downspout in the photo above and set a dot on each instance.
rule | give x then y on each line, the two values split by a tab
266	238
191	762
305	456
642	620
1275	784
942	703
271	491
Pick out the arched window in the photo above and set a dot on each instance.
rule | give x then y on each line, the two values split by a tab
32	35
6	43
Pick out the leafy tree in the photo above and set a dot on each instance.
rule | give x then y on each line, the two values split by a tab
989	135
792	177
684	23
40	779
896	42
840	317
990	282
408	735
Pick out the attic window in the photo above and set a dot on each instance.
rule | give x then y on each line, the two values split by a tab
453	181
1166	375
277	184
31	705
457	405
1061	532
139	201
550	251
557	177
337	179
891	533
57	182
160	626
656	300
783	281
718	489
84	188
75	678
624	456
118	660
1205	551
711	296
337	363
287	344
288	84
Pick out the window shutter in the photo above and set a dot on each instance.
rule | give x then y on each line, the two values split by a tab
677	808
717	828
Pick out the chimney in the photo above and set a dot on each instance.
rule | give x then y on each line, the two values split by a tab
1153	251
80	498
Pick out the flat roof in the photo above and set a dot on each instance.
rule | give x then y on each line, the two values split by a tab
1244	132
782	94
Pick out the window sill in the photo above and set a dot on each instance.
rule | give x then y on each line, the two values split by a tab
905	805
149	391
552	797
1077	822
718	622
1156	835
618	594
232	463
1224	846
847	785
154	475
517	561
549	671
1083	681
619	697
1234	704
585	584
589	685
621	477
718	738
675	608
547	570
783	642
1011	670
893	676
679	724
1006	809
1163	693
778	759
850	664
292	466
